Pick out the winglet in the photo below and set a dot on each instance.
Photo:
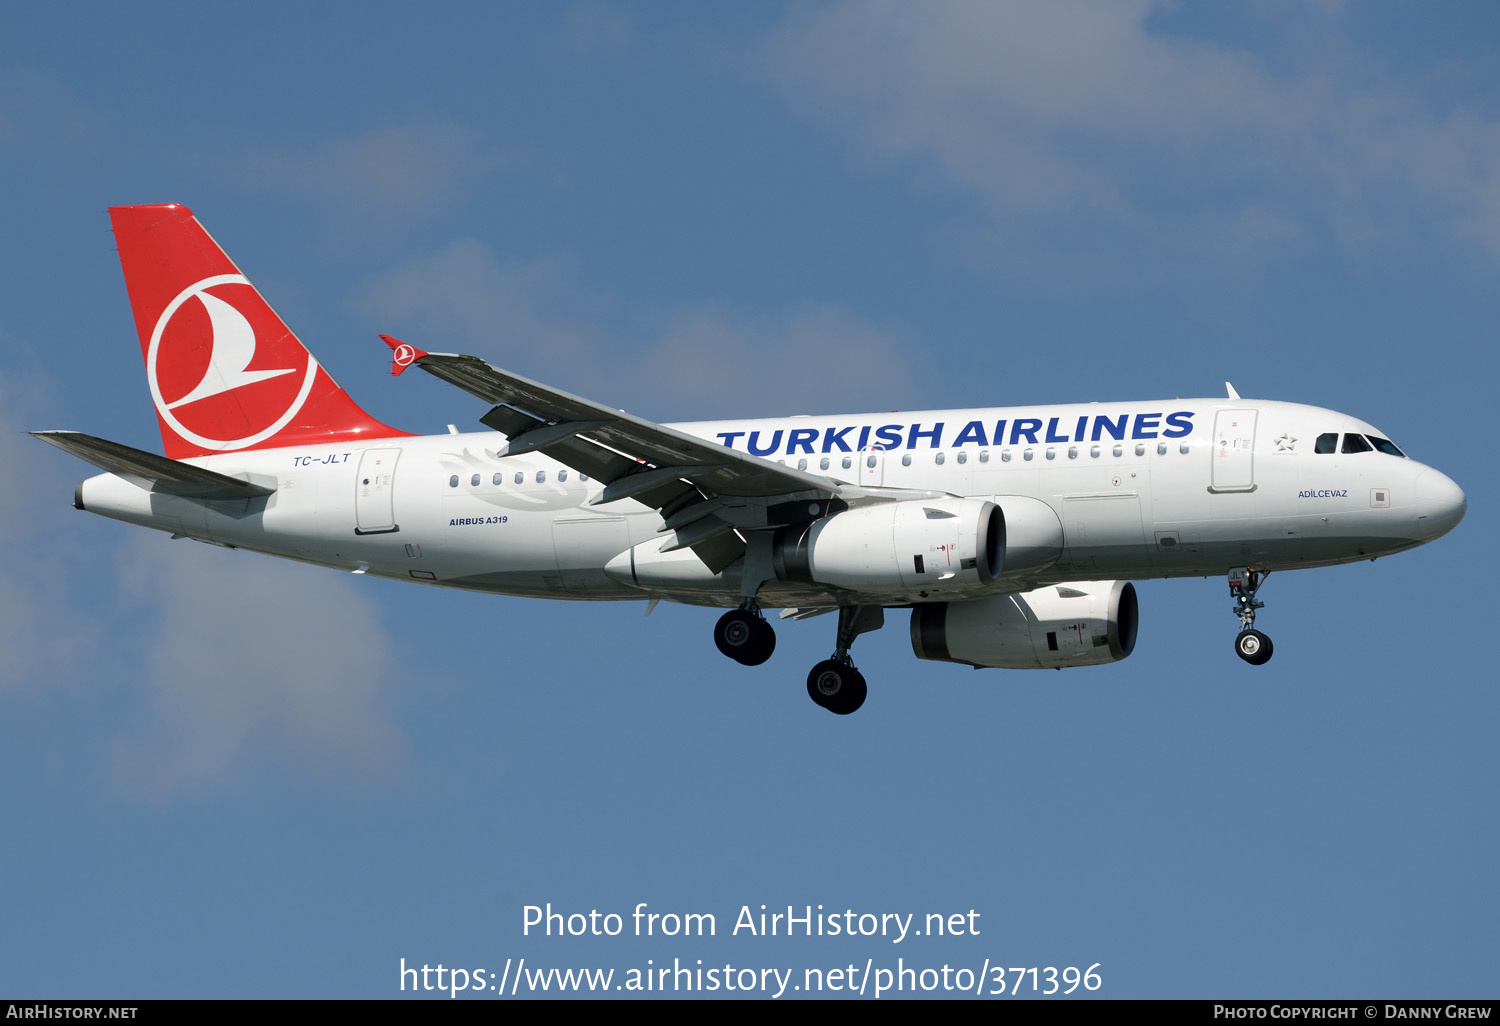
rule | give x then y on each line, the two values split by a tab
402	355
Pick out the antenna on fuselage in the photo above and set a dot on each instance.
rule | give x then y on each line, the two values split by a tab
1230	389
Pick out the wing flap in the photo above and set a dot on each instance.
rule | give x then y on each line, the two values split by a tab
696	533
718	552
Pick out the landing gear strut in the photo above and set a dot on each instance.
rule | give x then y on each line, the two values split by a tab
1250	644
834	683
744	636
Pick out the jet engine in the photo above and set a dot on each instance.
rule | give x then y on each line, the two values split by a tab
1060	625
921	545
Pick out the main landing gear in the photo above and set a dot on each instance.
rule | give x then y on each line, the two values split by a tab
1250	644
837	686
834	683
744	636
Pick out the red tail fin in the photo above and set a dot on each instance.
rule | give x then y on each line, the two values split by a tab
225	372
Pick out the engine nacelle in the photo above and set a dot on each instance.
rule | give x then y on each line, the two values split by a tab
1060	625
923	545
1033	533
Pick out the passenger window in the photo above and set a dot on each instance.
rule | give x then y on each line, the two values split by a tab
520	477
906	459
1119	450
1005	456
984	457
541	477
938	459
1052	454
562	475
453	481
1072	452
583	477
1183	448
963	457
474	481
823	463
1326	443
495	480
1027	455
1161	448
802	464
1140	448
870	462
1094	452
848	462
1355	443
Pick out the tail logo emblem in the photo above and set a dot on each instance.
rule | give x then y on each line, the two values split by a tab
232	348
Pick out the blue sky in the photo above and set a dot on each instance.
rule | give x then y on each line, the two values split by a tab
223	775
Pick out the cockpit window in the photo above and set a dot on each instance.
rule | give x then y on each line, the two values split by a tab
1327	443
1355	443
1385	445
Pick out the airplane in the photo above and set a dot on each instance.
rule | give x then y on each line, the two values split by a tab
1011	534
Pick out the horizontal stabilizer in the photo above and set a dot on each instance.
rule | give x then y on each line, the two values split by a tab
165	474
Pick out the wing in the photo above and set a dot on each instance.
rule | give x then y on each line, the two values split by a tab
704	491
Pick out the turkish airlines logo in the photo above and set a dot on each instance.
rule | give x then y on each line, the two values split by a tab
404	355
198	389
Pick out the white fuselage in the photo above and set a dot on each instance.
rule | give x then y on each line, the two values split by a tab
1099	491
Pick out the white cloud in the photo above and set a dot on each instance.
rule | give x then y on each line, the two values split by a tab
43	636
253	664
463	293
246	664
38	113
698	361
1091	140
390	175
815	359
597	29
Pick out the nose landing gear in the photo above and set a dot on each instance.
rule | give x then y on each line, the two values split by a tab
1250	644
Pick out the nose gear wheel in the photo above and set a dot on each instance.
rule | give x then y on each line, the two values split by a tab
1250	645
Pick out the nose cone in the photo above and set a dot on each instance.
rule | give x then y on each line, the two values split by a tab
1440	504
